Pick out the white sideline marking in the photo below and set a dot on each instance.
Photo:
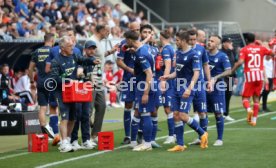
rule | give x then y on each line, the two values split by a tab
246	129
14	155
125	146
20	154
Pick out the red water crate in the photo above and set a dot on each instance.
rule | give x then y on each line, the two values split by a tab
105	141
38	143
77	92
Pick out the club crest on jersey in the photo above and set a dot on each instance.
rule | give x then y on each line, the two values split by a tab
199	52
216	60
185	58
179	67
211	67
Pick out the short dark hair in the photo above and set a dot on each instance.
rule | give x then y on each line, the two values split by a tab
99	27
183	35
146	26
132	35
48	37
249	37
215	35
2	66
192	32
70	29
166	34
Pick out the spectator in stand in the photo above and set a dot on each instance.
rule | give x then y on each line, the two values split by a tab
116	12
3	33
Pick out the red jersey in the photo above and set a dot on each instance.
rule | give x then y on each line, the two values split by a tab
253	56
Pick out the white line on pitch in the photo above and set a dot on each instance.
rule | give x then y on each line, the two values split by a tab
125	146
13	155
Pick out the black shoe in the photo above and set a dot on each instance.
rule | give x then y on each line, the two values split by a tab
140	137
126	141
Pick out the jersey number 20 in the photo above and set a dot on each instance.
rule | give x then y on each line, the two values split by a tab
255	61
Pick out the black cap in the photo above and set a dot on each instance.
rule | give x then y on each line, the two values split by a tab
226	39
89	44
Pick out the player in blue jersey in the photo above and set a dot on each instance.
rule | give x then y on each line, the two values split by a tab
143	70
126	62
219	67
63	66
167	54
186	74
146	34
199	101
39	62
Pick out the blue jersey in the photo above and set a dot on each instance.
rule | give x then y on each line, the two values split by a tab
168	54
128	59
218	64
203	59
186	63
143	61
39	58
55	51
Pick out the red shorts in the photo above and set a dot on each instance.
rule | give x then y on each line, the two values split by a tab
252	88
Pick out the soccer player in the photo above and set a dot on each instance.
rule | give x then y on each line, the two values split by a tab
167	53
199	101
219	68
146	34
126	62
252	57
143	70
63	66
39	62
186	74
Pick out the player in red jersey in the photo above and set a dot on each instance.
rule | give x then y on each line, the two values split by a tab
252	57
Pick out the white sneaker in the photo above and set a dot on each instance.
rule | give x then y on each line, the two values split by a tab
142	147
133	144
169	140
76	146
195	142
218	143
228	118
66	147
95	140
155	144
88	145
49	131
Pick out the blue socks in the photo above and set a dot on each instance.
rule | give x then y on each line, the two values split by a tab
127	121
179	131
147	126
195	126
54	123
170	122
134	128
220	126
154	128
203	122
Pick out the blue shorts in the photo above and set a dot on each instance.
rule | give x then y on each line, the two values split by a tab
199	101
158	98
216	103
180	104
145	108
128	94
42	97
67	110
167	98
52	99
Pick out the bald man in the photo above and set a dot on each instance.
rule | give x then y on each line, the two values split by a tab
219	68
201	37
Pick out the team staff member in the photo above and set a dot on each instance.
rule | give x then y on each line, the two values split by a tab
83	109
228	49
39	62
65	66
99	102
